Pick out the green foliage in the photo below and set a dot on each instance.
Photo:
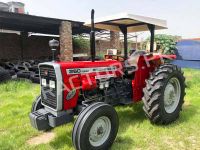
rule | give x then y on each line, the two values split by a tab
166	44
80	43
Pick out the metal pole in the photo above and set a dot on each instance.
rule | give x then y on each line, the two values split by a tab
124	31
53	55
136	42
125	44
152	31
92	37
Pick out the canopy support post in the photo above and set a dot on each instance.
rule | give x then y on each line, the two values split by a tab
152	31
124	31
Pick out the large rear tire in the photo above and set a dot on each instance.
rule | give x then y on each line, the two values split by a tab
164	94
95	128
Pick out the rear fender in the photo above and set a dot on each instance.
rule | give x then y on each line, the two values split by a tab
160	57
146	64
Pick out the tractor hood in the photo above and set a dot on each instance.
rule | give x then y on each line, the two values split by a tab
88	64
88	67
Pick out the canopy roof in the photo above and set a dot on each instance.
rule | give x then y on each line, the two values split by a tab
134	23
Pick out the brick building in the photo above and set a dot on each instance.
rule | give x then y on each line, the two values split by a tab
23	46
18	44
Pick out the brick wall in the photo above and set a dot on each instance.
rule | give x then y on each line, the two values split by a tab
34	47
10	46
103	45
37	47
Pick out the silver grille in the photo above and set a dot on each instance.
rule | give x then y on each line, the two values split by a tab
48	95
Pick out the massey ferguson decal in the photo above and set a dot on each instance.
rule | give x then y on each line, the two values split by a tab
105	76
90	70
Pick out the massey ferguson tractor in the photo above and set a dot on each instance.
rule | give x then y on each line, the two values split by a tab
91	89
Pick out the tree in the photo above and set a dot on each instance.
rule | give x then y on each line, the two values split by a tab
166	44
81	43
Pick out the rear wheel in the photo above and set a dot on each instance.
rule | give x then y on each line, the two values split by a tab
96	127
164	94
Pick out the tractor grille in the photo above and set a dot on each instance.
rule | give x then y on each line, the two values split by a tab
48	95
50	69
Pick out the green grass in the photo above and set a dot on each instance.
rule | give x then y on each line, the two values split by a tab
135	131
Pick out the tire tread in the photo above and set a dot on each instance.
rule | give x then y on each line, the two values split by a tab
152	93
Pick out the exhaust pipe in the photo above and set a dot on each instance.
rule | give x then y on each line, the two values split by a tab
92	37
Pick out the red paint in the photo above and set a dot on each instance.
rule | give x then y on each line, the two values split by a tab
141	75
81	81
146	65
88	84
160	57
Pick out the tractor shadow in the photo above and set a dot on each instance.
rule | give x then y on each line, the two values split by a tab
187	114
131	115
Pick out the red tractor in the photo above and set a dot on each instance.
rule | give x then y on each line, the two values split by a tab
90	89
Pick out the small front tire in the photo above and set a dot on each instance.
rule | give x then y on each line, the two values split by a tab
37	104
96	127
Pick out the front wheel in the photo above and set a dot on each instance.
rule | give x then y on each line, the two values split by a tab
164	94
95	128
37	104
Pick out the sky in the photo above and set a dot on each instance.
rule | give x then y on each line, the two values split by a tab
183	16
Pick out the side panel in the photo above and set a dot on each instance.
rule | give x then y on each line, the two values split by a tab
70	83
82	76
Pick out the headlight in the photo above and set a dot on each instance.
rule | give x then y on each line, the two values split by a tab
52	84
44	82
